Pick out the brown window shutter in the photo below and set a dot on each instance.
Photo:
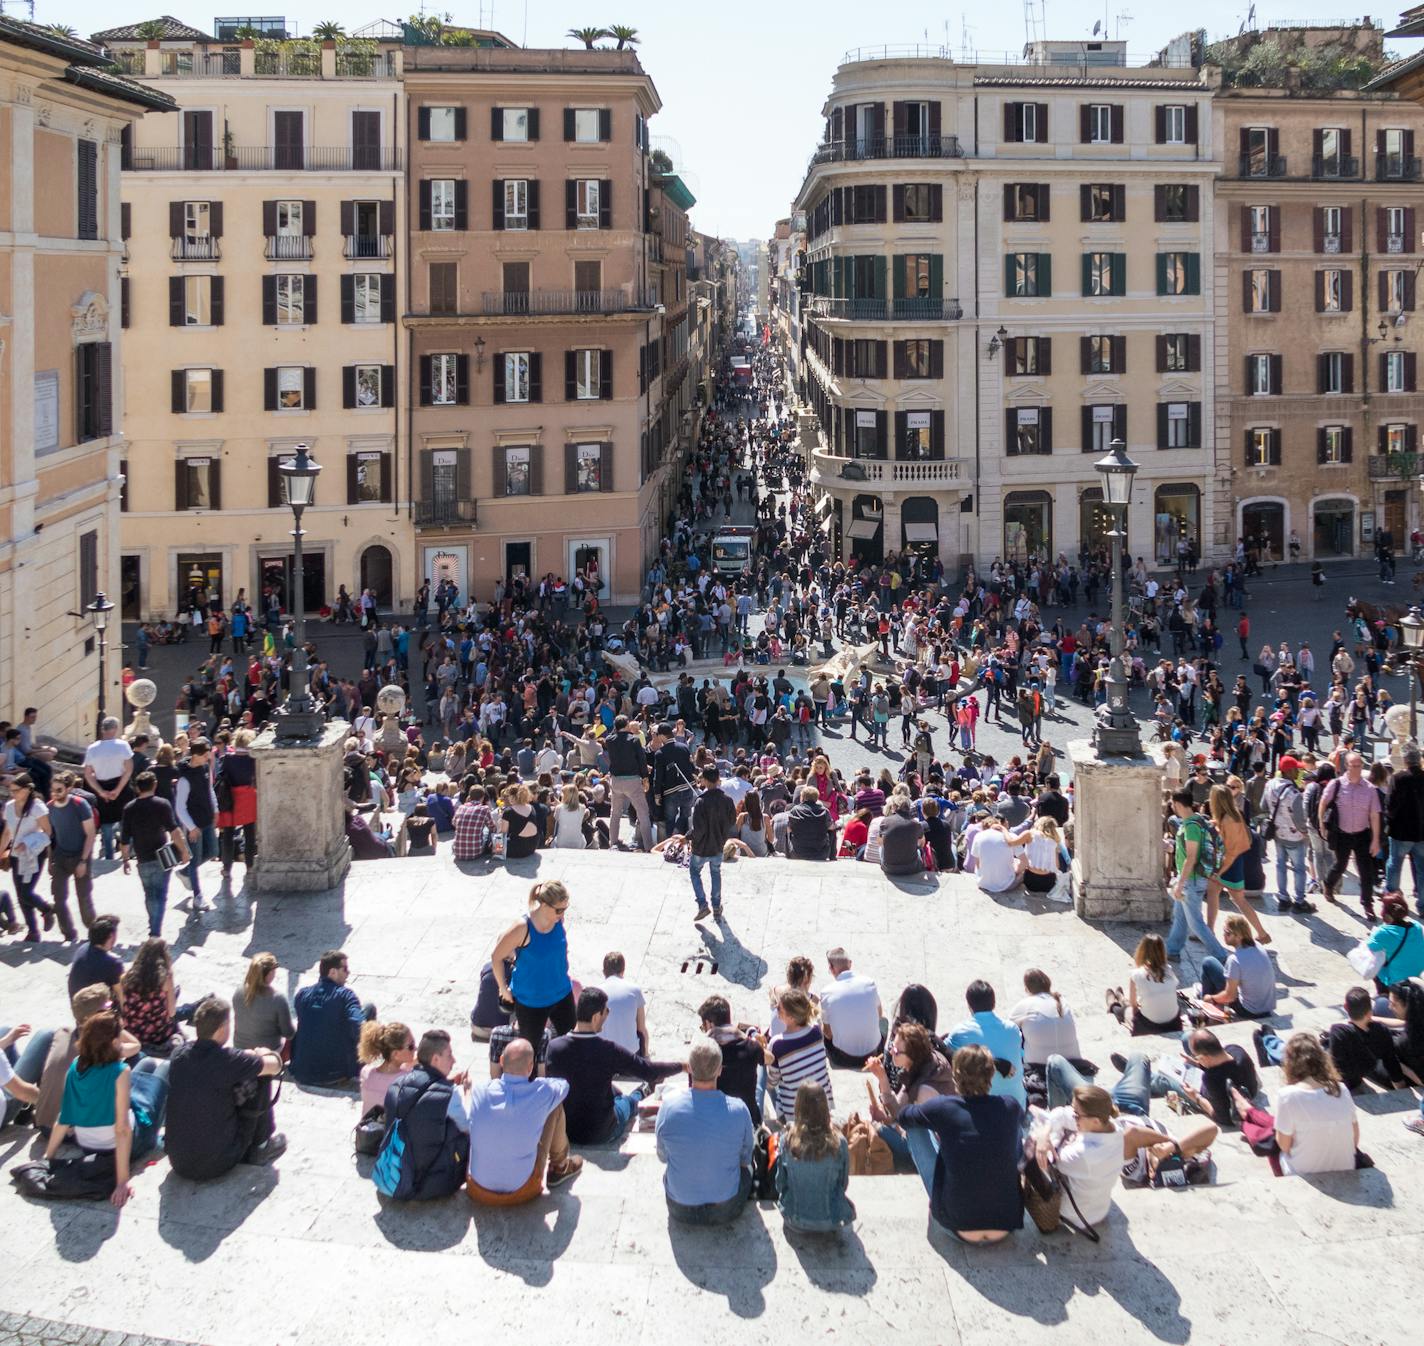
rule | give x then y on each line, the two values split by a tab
179	380
1161	342
1381	230
1193	205
426	380
1119	201
1320	292
1277	376
215	481
1194	353
1244	141
347	213
570	469
125	222
1347	291
605	467
1085	201
1045	429
1193	134
353	465
1246	292
1085	121
180	484
1274	289
897	202
462	380
1347	445
1085	355
1318	229
348	387
309	388
269	390
1045	354
1410	363
1347	229
1009	212
1320	372
1042	191
1383	291
1159	124
1246	377
1320	448
936	359
536	469
217	389
501	470
1382	438
1347	372
1162	422
1012	124
1116	119
175	219
1086	428
1010	430
1409	235
1383	369
1245	228
1273	228
901	363
1159	202
1409	278
423	208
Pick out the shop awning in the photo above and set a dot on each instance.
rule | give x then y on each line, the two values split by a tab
863	528
921	532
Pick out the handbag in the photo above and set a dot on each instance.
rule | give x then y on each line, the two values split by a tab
168	857
367	1134
1370	962
1043	1194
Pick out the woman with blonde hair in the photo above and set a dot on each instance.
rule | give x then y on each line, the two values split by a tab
569	817
813	1167
540	991
385	1051
520	823
1236	846
261	1016
796	1054
1039	863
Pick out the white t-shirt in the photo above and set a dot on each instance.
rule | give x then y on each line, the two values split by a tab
108	757
850	1008
994	861
1321	1126
1046	1032
1156	999
1092	1161
1042	853
736	788
624	1002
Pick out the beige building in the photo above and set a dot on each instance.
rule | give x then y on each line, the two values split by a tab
1318	248
1007	268
264	277
542	316
61	378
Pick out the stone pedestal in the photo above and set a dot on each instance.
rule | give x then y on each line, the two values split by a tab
1117	858
301	821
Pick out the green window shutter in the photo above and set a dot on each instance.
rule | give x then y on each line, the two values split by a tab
1193	273
1009	272
837	284
1119	273
1087	273
936	276
1045	274
879	273
1161	273
898	276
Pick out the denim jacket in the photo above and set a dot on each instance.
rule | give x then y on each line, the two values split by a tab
811	1194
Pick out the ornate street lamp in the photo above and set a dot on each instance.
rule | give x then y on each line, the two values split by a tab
1411	638
1116	733
298	717
99	609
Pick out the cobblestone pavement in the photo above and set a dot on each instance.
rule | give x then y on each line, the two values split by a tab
16	1329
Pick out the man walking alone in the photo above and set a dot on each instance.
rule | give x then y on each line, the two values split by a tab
713	820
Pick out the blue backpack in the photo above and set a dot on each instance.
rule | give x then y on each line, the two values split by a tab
394	1170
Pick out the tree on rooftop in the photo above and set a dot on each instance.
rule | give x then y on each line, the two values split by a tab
328	31
150	30
588	36
61	30
627	37
661	161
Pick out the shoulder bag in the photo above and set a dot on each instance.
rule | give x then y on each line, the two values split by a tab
1043	1194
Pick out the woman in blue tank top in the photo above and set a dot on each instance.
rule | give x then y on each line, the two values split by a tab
540	991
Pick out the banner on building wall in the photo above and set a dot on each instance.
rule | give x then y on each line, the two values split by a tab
447	563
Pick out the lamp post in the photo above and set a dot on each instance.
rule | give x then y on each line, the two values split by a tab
1115	733
1411	637
298	718
99	609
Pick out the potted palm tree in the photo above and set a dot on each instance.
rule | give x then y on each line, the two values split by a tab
627	37
151	31
588	36
328	31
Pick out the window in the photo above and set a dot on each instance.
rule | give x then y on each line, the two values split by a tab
1396	439
1257	151
1331	220
443	380
1103	422
1029	122
916	436
1393	291
588	459
1261	378
1394	150
197	228
1258	227
93	373
1099	122
1176	353
1026	202
516	376
1102	202
366	297
586	203
291	388
514	123
1330	157
1028	430
368	385
444	287
289	219
587	126
919	267
919	202
516	203
291	300
587	374
1261	291
442	203
1098	273
1395	229
1332	372
367	478
1178	425
442	123
917	359
197	483
1028	274
1174	125
197	301
1396	372
1100	355
1334	445
1028	356
1176	202
1178	273
1263	447
197	390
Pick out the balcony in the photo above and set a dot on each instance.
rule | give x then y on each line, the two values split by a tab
1262	166
288	248
918	309
261	159
1396	466
442	513
1394	243
363	247
542	303
1335	168
888	147
1396	168
888	473
206	249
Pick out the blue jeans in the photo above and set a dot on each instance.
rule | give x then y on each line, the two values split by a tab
1188	918
1395	871
677	811
1274	1047
625	1108
108	834
28	1066
155	894
1291	853
917	1144
1132	1093
205	848
694	866
148	1088
715	1212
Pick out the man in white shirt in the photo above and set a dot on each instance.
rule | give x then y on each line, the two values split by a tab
851	1018
108	764
627	1023
994	858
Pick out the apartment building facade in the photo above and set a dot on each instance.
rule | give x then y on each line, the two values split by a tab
536	339
1008	268
263	271
61	377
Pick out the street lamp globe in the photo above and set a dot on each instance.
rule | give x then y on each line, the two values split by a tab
300	474
99	609
1117	471
1411	630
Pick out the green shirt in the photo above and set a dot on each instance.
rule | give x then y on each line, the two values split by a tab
1192	829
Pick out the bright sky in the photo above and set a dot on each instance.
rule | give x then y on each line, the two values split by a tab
742	85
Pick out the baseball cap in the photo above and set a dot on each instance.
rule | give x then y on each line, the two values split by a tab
1289	766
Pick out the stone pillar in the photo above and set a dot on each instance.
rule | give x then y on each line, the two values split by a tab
1118	869
301	820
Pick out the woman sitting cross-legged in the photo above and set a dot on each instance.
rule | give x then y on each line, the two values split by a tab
922	1073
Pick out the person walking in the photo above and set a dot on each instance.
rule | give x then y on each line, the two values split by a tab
74	830
628	765
1350	822
148	825
235	787
714	819
24	838
196	805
